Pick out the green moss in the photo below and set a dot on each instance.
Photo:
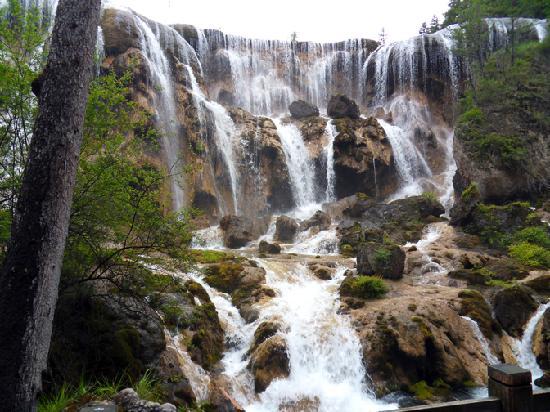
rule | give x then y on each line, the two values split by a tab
537	235
361	196
210	256
364	287
471	192
224	276
422	391
430	196
426	332
347	250
382	256
476	307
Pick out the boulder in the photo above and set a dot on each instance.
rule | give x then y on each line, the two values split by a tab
269	248
321	271
320	219
269	361
543	381
341	106
513	307
386	260
285	229
238	231
264	331
300	109
129	400
119	31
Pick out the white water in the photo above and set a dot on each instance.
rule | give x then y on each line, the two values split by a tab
166	110
324	351
492	359
209	238
523	349
331	133
323	243
300	167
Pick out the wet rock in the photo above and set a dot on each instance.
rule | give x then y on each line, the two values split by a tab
175	385
269	361
223	402
320	220
285	229
264	331
540	283
119	31
342	106
363	159
321	271
474	306
269	248
386	260
543	381
513	307
300	109
129	400
238	231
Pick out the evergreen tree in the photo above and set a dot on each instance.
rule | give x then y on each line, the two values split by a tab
423	29
434	25
382	37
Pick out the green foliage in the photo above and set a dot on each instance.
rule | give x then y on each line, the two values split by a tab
470	193
430	196
537	235
531	254
147	388
422	391
367	287
210	256
22	36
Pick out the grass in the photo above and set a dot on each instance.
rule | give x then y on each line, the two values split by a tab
209	256
530	254
367	287
67	396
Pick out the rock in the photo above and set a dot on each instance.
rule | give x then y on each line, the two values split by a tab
513	307
223	402
285	229
320	219
474	305
269	361
321	271
341	106
540	283
129	400
119	31
543	381
386	260
300	109
363	159
269	248
264	331
238	231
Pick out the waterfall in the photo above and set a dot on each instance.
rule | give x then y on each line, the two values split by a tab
492	359
299	164
166	110
523	349
331	133
224	131
324	351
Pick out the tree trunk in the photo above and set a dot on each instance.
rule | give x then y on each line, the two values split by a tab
29	278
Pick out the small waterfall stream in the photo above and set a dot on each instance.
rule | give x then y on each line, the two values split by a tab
492	359
331	133
523	348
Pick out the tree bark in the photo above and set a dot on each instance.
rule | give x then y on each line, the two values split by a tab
29	278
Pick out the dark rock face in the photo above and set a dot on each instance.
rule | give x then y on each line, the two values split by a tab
385	260
300	109
285	229
363	159
513	307
103	336
402	221
129	400
269	361
320	220
270	248
342	106
240	230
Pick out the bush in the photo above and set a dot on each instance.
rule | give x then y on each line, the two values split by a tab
366	287
530	254
537	235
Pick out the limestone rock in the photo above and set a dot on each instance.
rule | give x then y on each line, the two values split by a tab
269	361
285	229
129	400
341	106
386	260
300	109
513	307
269	248
320	220
240	230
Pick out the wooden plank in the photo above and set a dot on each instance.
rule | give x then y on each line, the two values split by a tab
474	405
510	375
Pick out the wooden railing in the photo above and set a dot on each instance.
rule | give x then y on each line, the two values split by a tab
510	390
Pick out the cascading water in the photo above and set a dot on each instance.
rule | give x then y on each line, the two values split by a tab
325	355
298	162
166	110
331	133
492	359
523	349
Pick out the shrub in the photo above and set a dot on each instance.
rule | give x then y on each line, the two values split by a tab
530	254
471	192
367	287
382	256
537	235
430	196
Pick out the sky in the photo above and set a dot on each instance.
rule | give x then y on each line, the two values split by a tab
312	20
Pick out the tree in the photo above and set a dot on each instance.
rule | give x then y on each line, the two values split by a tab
434	25
293	37
30	274
383	36
423	29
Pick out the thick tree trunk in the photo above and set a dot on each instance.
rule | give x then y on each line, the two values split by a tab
29	278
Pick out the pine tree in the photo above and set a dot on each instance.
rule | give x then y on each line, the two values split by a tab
382	37
434	25
423	29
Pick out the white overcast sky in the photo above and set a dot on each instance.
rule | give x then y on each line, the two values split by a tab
313	20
